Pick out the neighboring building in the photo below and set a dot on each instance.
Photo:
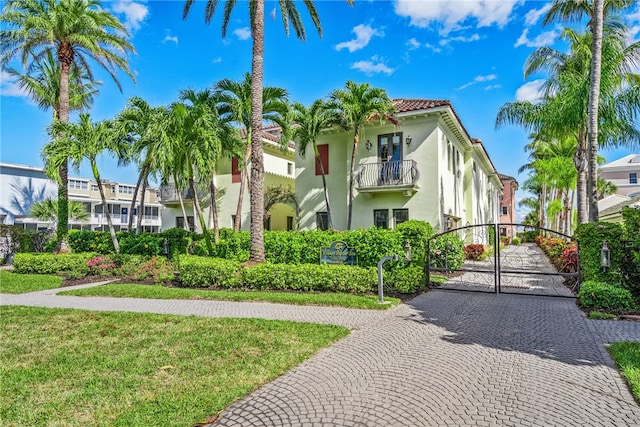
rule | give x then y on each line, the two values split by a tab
610	208
624	173
22	185
508	205
427	168
279	170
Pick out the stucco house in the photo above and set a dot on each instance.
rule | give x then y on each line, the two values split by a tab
279	167
21	186
427	167
508	205
624	173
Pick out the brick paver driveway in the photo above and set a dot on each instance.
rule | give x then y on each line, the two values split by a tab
451	358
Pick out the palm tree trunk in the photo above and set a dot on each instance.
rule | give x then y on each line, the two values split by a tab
198	212
256	189
580	162
141	211
356	139
324	186
133	199
243	178
594	99
185	223
63	194
213	211
105	208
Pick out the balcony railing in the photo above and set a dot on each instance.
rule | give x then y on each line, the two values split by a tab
400	175
169	193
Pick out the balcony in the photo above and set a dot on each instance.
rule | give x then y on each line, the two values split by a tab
391	176
169	194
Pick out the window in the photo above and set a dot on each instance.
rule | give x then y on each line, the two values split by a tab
323	150
400	216
381	218
235	170
322	221
504	210
633	178
78	185
180	222
289	223
94	188
125	189
289	168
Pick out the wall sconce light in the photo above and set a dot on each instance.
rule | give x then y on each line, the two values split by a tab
408	139
368	145
605	256
449	222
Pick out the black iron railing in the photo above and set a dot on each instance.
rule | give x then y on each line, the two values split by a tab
391	173
169	193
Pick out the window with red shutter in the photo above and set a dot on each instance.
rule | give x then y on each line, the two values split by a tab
235	171
323	150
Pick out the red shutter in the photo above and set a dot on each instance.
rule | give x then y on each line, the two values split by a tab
235	172
324	158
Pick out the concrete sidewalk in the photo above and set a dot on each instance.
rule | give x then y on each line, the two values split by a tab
444	358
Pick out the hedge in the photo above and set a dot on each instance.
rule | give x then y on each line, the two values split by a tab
630	262
75	265
602	296
591	236
204	272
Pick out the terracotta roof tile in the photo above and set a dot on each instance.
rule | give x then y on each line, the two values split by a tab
404	105
504	177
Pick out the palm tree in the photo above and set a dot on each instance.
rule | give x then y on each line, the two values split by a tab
309	123
359	105
77	30
85	141
605	188
147	126
256	13
235	105
47	210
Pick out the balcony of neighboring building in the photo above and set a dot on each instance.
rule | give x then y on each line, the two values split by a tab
388	176
169	195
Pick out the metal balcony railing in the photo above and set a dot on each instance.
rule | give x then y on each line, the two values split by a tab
401	173
169	193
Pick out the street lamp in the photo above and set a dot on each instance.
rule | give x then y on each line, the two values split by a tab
605	256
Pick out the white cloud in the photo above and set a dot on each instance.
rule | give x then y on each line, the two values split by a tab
363	37
449	16
478	79
135	13
433	48
217	60
243	33
544	39
492	87
532	17
170	39
461	39
8	86
530	91
413	44
374	66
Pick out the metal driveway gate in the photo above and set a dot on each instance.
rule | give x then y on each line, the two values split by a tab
472	260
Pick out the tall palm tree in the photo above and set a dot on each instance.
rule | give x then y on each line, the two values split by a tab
235	105
309	123
77	31
47	210
147	126
85	141
359	104
289	13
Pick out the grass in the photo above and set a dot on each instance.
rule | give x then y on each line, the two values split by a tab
599	315
161	292
74	368
14	283
437	279
626	354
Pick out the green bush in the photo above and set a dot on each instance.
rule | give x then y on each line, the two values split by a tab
515	241
602	296
630	260
407	280
528	236
446	251
90	241
148	244
418	234
178	240
74	265
156	269
590	237
206	272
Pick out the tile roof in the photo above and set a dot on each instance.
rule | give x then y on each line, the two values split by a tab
506	177
404	105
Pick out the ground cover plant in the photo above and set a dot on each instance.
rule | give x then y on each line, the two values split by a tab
14	283
626	354
69	367
127	290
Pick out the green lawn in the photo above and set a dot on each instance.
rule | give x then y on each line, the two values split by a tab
161	292
74	368
13	283
627	356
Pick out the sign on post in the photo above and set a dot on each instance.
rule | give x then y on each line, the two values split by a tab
338	253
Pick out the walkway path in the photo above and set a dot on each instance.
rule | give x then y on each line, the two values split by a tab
444	358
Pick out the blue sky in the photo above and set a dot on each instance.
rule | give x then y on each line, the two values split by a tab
470	52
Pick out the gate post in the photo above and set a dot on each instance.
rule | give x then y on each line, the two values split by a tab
496	259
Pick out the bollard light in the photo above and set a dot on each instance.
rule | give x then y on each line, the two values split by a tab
605	256
165	247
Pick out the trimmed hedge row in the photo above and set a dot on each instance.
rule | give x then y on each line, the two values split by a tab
601	296
75	265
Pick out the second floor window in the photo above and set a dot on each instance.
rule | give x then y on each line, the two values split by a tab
633	178
505	210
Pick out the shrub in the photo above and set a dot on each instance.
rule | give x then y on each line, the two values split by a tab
528	236
178	240
601	296
418	234
515	241
203	272
101	265
473	252
91	241
157	269
591	236
569	260
74	265
446	251
630	259
147	244
407	280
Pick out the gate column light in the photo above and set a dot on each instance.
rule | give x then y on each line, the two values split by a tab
605	256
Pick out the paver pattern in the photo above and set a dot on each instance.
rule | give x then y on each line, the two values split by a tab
444	358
